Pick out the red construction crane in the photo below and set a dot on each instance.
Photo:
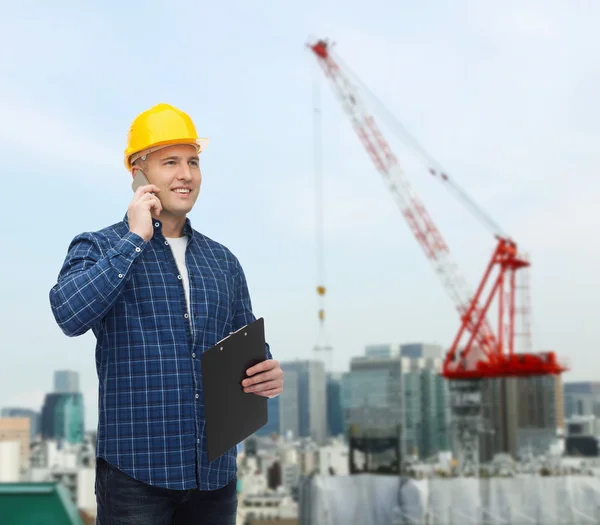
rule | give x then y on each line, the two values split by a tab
478	351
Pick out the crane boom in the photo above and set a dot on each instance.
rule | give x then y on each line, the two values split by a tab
485	353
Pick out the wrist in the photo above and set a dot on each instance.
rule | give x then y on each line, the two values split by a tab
145	238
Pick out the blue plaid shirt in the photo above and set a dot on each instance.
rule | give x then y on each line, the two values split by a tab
129	293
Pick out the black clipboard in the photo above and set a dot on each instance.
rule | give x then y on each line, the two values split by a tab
232	414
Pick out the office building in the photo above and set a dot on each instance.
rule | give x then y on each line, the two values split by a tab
435	410
308	389
335	413
411	350
386	391
32	415
273	425
521	415
66	381
582	399
289	406
63	417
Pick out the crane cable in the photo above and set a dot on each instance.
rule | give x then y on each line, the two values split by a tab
322	340
434	167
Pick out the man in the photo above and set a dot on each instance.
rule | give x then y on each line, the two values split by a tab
157	293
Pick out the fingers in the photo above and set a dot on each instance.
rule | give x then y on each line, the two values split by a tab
156	205
145	190
266	386
267	364
152	202
262	377
269	393
266	379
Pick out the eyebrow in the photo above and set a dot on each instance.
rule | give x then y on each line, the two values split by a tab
176	157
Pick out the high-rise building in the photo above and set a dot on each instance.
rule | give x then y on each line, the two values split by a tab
582	399
66	381
541	402
500	417
521	415
289	405
412	350
422	350
435	428
32	415
311	391
63	417
385	390
273	425
335	413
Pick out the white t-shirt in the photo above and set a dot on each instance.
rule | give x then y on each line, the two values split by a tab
178	247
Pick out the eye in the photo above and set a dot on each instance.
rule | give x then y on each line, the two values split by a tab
194	163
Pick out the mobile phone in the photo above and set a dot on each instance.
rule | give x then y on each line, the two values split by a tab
139	180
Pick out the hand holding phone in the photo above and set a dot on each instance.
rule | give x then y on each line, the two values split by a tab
142	205
139	180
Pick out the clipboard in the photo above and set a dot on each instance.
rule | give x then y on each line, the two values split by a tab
232	414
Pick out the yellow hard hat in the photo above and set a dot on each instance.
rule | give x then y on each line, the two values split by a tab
161	125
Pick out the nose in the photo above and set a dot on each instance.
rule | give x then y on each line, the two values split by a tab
185	173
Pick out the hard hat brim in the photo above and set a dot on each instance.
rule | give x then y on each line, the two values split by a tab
200	143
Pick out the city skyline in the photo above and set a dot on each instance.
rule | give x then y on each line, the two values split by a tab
419	351
503	95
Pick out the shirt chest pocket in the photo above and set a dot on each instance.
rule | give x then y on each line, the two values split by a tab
214	289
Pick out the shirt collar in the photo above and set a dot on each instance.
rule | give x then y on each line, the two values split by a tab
187	227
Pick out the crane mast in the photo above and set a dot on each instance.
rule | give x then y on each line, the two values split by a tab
477	351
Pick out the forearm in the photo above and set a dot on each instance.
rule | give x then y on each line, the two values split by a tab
90	283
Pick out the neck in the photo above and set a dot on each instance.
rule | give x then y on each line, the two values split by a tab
172	226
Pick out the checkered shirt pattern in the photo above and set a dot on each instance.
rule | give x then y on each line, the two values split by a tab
129	293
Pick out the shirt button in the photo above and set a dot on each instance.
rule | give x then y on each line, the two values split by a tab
156	224
197	396
194	355
166	243
185	315
138	249
179	277
197	441
120	276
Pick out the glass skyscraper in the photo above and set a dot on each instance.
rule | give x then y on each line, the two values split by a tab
303	401
63	417
335	413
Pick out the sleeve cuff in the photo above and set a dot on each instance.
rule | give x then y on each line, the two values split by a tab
126	251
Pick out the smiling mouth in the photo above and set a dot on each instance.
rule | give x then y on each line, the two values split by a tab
183	191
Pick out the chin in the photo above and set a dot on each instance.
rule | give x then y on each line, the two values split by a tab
181	212
181	209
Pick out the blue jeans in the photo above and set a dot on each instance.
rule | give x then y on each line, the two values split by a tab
122	500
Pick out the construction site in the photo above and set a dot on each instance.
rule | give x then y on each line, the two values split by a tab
432	348
497	382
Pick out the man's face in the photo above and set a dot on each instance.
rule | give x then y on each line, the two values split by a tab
176	171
